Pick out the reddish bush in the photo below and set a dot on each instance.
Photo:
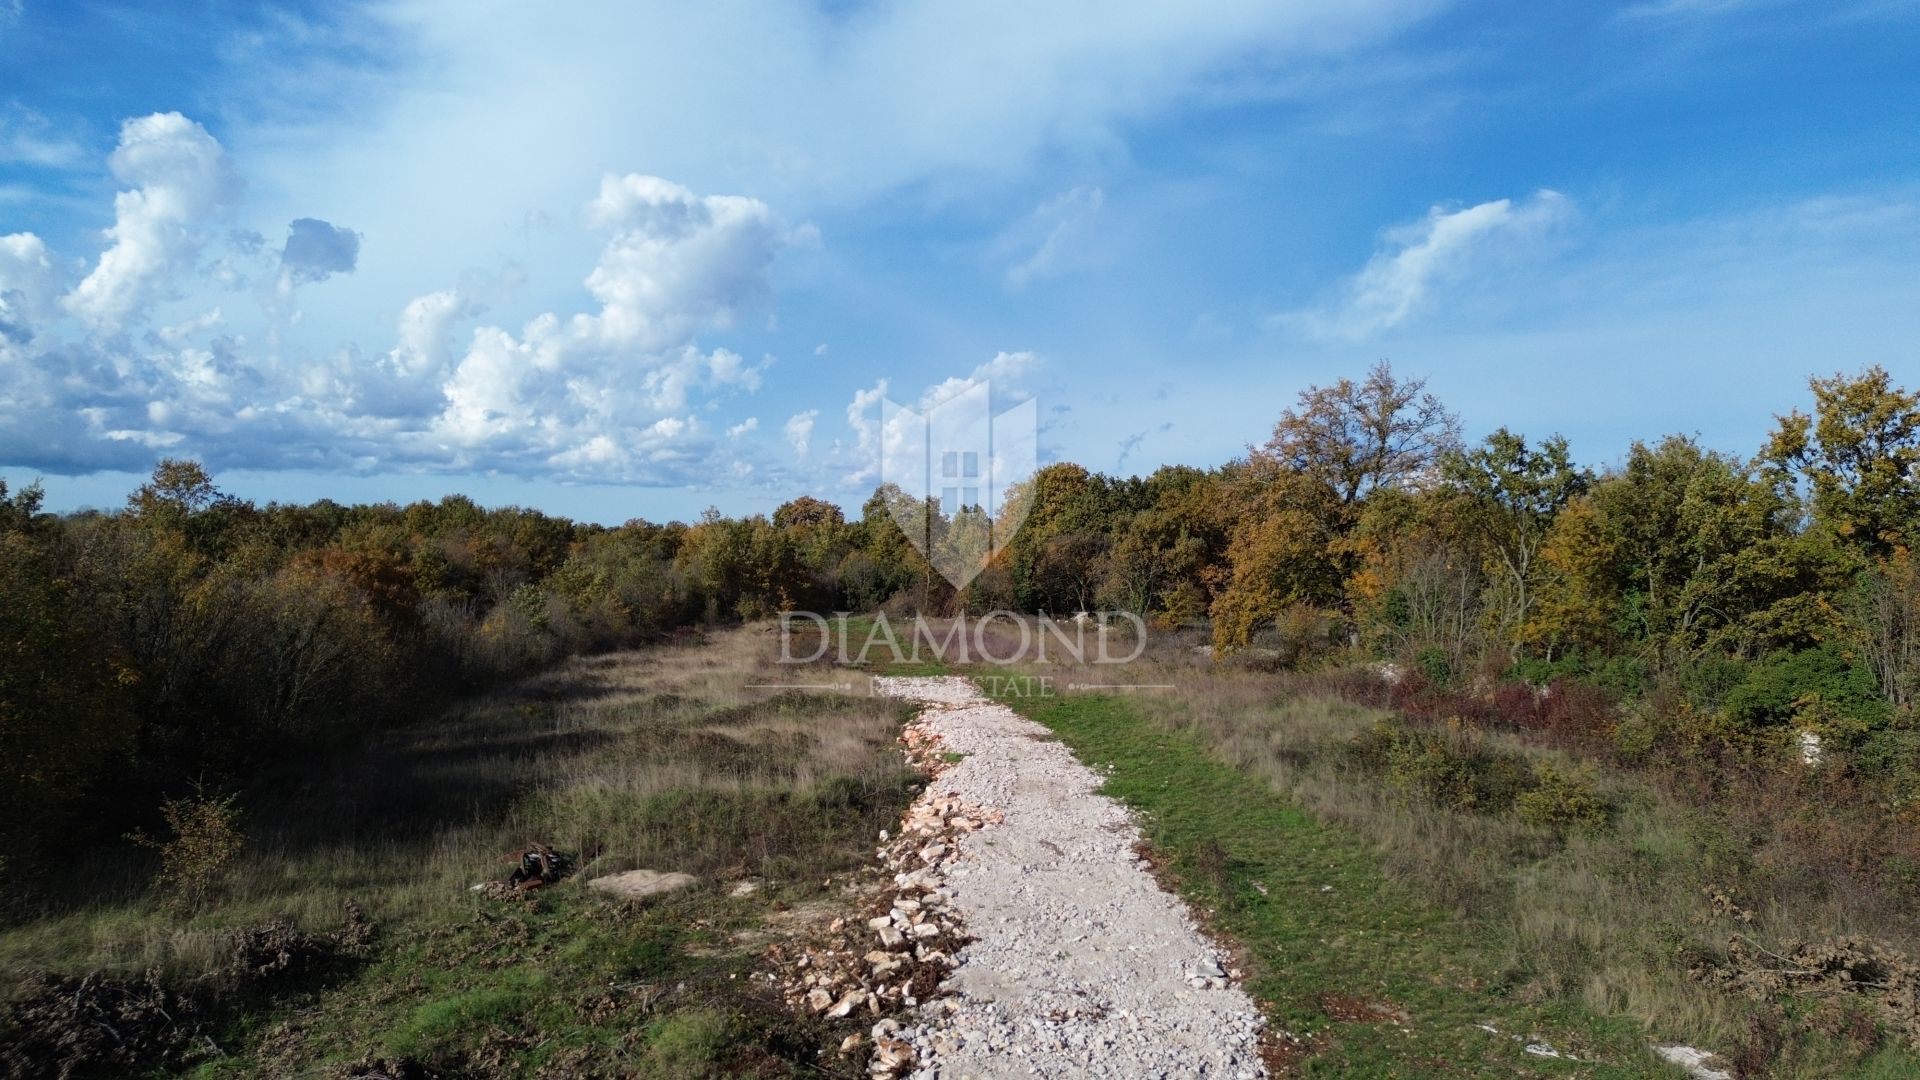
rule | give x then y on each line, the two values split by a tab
1516	706
1577	712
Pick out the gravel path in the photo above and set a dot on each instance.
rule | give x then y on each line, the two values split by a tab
1082	965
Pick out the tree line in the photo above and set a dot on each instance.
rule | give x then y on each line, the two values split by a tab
190	632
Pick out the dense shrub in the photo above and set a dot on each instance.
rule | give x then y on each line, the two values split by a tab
1541	671
1435	665
1455	769
1891	758
1574	711
1709	678
1459	769
1618	675
1778	688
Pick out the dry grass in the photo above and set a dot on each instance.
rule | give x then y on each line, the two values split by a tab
1581	920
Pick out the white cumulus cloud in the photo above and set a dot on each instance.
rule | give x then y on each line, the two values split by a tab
177	174
26	288
92	377
677	264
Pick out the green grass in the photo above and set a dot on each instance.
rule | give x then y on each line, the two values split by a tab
891	650
1323	931
574	982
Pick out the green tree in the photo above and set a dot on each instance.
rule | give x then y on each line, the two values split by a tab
1675	516
1065	517
19	509
1514	491
1859	456
1711	559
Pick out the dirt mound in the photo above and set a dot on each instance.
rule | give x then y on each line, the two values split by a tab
92	1025
279	953
77	1026
642	884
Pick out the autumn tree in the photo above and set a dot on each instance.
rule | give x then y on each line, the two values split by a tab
178	489
1578	597
1155	554
1356	437
1169	542
1417	581
307	651
63	713
180	497
807	512
1282	554
1302	493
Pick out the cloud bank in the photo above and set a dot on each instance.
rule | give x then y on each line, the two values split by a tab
452	294
117	367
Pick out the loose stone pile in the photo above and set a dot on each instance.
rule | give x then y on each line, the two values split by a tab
898	955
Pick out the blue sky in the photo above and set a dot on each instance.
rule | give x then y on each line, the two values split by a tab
633	260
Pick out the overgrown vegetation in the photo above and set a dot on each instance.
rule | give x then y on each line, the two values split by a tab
662	758
1370	976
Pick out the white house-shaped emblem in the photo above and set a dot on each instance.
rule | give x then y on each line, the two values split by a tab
957	465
